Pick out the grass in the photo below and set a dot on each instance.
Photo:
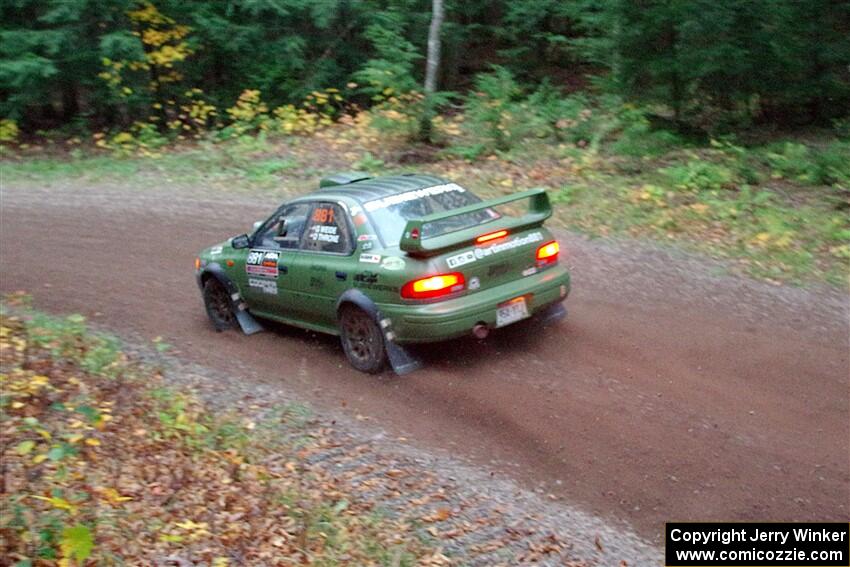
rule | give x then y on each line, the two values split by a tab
233	165
104	463
776	211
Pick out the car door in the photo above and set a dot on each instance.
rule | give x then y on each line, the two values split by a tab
324	268
274	247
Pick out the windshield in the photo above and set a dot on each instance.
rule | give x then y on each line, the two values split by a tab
390	214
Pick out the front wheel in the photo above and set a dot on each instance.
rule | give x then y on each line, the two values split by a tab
218	304
362	340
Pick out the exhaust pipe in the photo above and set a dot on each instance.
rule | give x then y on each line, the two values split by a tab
480	331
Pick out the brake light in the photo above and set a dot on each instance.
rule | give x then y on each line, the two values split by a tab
548	252
491	236
433	286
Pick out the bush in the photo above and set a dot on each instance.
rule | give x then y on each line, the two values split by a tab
828	166
141	139
791	161
319	109
638	139
833	165
8	131
492	108
389	80
249	114
699	175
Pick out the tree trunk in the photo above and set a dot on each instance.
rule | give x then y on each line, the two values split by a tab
432	66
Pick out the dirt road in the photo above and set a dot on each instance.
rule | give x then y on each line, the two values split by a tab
670	393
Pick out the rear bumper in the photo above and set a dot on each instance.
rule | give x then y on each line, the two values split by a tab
456	317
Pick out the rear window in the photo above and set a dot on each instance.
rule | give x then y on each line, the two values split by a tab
390	214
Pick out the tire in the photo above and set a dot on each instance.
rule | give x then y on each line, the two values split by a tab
218	304
362	340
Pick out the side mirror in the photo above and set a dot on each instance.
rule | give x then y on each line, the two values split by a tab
241	241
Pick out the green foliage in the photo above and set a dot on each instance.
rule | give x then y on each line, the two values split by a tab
391	70
368	163
107	64
469	152
141	139
699	175
826	166
557	115
77	543
8	131
637	137
69	338
714	63
492	108
842	128
389	79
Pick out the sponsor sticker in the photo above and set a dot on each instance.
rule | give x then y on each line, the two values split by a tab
266	286
366	246
486	251
365	237
460	259
262	263
323	233
215	250
393	263
530	271
370	258
412	196
366	277
474	283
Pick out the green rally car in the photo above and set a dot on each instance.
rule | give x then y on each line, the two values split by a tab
389	261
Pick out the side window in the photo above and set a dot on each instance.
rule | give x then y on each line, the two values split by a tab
327	230
285	228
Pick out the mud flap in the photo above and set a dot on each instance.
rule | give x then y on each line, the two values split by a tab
248	324
246	321
402	361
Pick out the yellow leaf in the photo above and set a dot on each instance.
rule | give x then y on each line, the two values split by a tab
25	447
39	380
75	437
59	503
93	442
112	495
38	459
17	405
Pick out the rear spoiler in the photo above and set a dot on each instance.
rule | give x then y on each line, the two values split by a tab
539	209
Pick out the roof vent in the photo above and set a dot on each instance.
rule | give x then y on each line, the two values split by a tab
343	178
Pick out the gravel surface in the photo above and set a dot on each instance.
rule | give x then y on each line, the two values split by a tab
673	390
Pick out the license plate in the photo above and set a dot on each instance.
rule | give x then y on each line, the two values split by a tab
511	312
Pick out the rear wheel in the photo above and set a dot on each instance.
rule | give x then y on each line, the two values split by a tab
362	340
218	304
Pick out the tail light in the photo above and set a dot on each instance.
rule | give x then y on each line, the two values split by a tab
433	286
491	236
548	253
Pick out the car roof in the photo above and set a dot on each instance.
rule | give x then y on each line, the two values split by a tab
376	187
